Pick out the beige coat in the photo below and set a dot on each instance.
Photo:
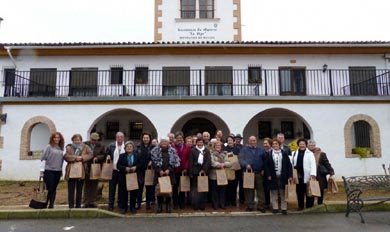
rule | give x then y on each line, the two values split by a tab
218	158
70	157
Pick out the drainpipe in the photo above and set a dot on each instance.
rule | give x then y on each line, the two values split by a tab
10	55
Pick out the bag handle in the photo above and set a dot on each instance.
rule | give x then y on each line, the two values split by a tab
202	173
184	173
108	160
249	170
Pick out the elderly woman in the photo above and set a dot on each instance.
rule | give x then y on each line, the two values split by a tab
76	152
199	162
278	171
219	160
164	161
53	157
127	163
267	145
231	193
304	162
324	168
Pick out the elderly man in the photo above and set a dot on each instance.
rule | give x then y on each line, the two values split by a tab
113	151
91	186
252	159
285	147
171	137
206	138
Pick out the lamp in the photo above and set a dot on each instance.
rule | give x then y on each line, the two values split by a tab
3	118
324	68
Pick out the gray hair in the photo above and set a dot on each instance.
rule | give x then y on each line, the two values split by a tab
312	142
130	143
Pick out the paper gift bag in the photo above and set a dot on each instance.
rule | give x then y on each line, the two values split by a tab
95	171
131	181
203	183
76	170
249	180
230	174
313	188
295	176
165	185
221	177
291	192
332	186
149	177
185	185
234	161
107	170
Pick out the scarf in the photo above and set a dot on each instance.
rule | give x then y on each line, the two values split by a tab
200	157
118	150
317	154
77	149
277	157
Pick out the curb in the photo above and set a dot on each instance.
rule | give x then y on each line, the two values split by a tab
101	213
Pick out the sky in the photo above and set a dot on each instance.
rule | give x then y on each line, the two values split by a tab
122	21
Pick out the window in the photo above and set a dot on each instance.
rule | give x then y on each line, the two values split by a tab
111	129
141	75
116	76
9	77
83	82
292	81
219	80
362	134
363	81
135	130
265	129
42	82
254	75
188	9
176	81
287	128
206	9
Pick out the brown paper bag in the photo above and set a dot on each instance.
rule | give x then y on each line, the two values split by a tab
203	183
313	189
131	181
165	185
185	185
295	176
234	160
76	170
230	174
95	171
291	192
107	170
221	177
149	176
332	186
249	180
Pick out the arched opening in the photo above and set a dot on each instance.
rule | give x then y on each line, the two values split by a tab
270	122
132	123
35	136
199	122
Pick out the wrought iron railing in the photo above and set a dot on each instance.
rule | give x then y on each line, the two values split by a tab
201	82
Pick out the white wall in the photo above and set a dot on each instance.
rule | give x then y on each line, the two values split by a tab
326	120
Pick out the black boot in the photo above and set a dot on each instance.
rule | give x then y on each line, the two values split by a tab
169	208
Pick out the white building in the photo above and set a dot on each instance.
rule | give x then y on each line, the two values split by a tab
336	93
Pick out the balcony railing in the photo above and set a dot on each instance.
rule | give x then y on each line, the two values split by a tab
196	83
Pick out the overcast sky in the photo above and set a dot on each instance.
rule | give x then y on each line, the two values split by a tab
122	21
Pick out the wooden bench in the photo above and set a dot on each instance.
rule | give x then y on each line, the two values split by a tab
356	186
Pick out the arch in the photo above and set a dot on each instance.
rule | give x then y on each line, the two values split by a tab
273	118
124	116
26	135
217	122
374	135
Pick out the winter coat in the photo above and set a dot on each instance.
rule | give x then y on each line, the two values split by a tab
218	158
70	157
270	171
194	167
309	164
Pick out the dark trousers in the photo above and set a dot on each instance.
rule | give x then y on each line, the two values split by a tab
198	199
320	200
51	179
267	195
301	193
123	195
90	192
178	197
149	194
75	185
218	194
112	189
231	194
241	194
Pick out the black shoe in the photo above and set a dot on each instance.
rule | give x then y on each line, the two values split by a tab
299	209
275	211
110	208
284	212
147	205
169	208
261	210
138	206
93	205
249	209
158	208
133	211
123	211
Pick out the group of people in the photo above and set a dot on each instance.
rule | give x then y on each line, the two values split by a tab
177	155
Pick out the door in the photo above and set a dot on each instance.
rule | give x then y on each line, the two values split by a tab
198	125
363	81
9	76
42	82
219	80
83	82
292	81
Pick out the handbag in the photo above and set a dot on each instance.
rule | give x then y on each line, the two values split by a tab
332	186
323	170
76	170
313	189
107	170
230	174
290	192
185	184
131	181
203	182
165	184
95	171
249	180
221	177
149	176
39	201
234	161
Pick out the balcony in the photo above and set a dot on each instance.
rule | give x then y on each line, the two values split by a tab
185	82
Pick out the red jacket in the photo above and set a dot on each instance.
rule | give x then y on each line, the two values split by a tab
183	154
